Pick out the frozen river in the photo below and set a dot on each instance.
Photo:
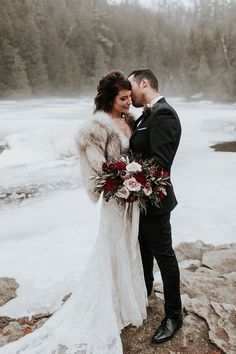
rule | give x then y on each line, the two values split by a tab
46	239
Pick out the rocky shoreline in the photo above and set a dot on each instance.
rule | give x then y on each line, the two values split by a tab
229	146
208	287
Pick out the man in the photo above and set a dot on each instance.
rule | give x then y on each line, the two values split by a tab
157	136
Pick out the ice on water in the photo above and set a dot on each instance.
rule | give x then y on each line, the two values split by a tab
46	240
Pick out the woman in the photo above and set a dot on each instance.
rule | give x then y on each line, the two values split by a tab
111	293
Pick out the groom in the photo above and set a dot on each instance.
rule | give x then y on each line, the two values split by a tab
157	136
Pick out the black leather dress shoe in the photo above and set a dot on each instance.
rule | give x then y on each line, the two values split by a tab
167	329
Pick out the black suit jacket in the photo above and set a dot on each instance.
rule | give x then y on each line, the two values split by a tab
157	136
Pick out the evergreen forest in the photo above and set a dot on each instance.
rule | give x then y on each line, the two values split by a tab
62	47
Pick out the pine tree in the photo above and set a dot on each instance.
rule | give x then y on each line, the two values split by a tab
204	75
29	46
13	78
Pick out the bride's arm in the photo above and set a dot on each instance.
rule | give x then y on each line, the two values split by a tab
91	142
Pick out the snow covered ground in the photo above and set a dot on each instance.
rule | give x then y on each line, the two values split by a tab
45	241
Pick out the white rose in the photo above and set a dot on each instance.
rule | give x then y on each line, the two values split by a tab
132	184
147	191
134	167
123	192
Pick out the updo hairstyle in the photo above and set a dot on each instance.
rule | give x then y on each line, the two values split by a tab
108	88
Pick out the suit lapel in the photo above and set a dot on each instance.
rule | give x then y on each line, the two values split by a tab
143	118
136	125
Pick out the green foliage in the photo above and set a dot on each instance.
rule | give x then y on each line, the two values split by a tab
64	46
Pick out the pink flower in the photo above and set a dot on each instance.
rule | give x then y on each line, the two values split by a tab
134	167
132	184
123	192
147	190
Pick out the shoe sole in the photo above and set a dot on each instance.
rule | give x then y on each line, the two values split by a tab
169	338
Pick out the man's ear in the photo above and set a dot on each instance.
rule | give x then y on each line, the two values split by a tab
144	83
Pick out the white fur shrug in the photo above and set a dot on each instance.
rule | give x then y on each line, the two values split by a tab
97	141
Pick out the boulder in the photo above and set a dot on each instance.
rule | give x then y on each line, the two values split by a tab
221	260
221	320
216	288
8	288
191	250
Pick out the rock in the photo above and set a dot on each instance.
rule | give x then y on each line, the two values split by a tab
179	255
231	277
221	260
225	146
3	340
66	297
212	289
225	246
216	288
158	288
12	329
184	298
8	288
192	329
208	271
191	250
190	264
226	324
20	193
3	147
4	321
221	320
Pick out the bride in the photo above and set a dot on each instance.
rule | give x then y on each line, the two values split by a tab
111	293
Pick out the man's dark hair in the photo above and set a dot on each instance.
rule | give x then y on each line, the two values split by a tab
145	74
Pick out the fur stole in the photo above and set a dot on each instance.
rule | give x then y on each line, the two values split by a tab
97	141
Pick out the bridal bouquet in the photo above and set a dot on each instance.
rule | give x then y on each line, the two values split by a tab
130	179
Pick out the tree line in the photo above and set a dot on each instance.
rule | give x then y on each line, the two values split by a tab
62	47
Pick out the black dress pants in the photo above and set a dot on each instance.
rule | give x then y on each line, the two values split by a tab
155	242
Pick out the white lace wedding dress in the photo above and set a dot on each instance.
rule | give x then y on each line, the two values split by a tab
110	295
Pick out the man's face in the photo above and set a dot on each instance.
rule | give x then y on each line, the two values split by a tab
137	92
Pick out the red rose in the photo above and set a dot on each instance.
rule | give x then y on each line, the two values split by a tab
104	167
155	173
161	195
110	184
120	165
159	168
111	166
140	178
165	173
162	192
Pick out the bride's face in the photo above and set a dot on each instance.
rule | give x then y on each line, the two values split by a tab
122	101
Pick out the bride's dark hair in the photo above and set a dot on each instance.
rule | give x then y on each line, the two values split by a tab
108	88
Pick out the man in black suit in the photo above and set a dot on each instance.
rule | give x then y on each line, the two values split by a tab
157	136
